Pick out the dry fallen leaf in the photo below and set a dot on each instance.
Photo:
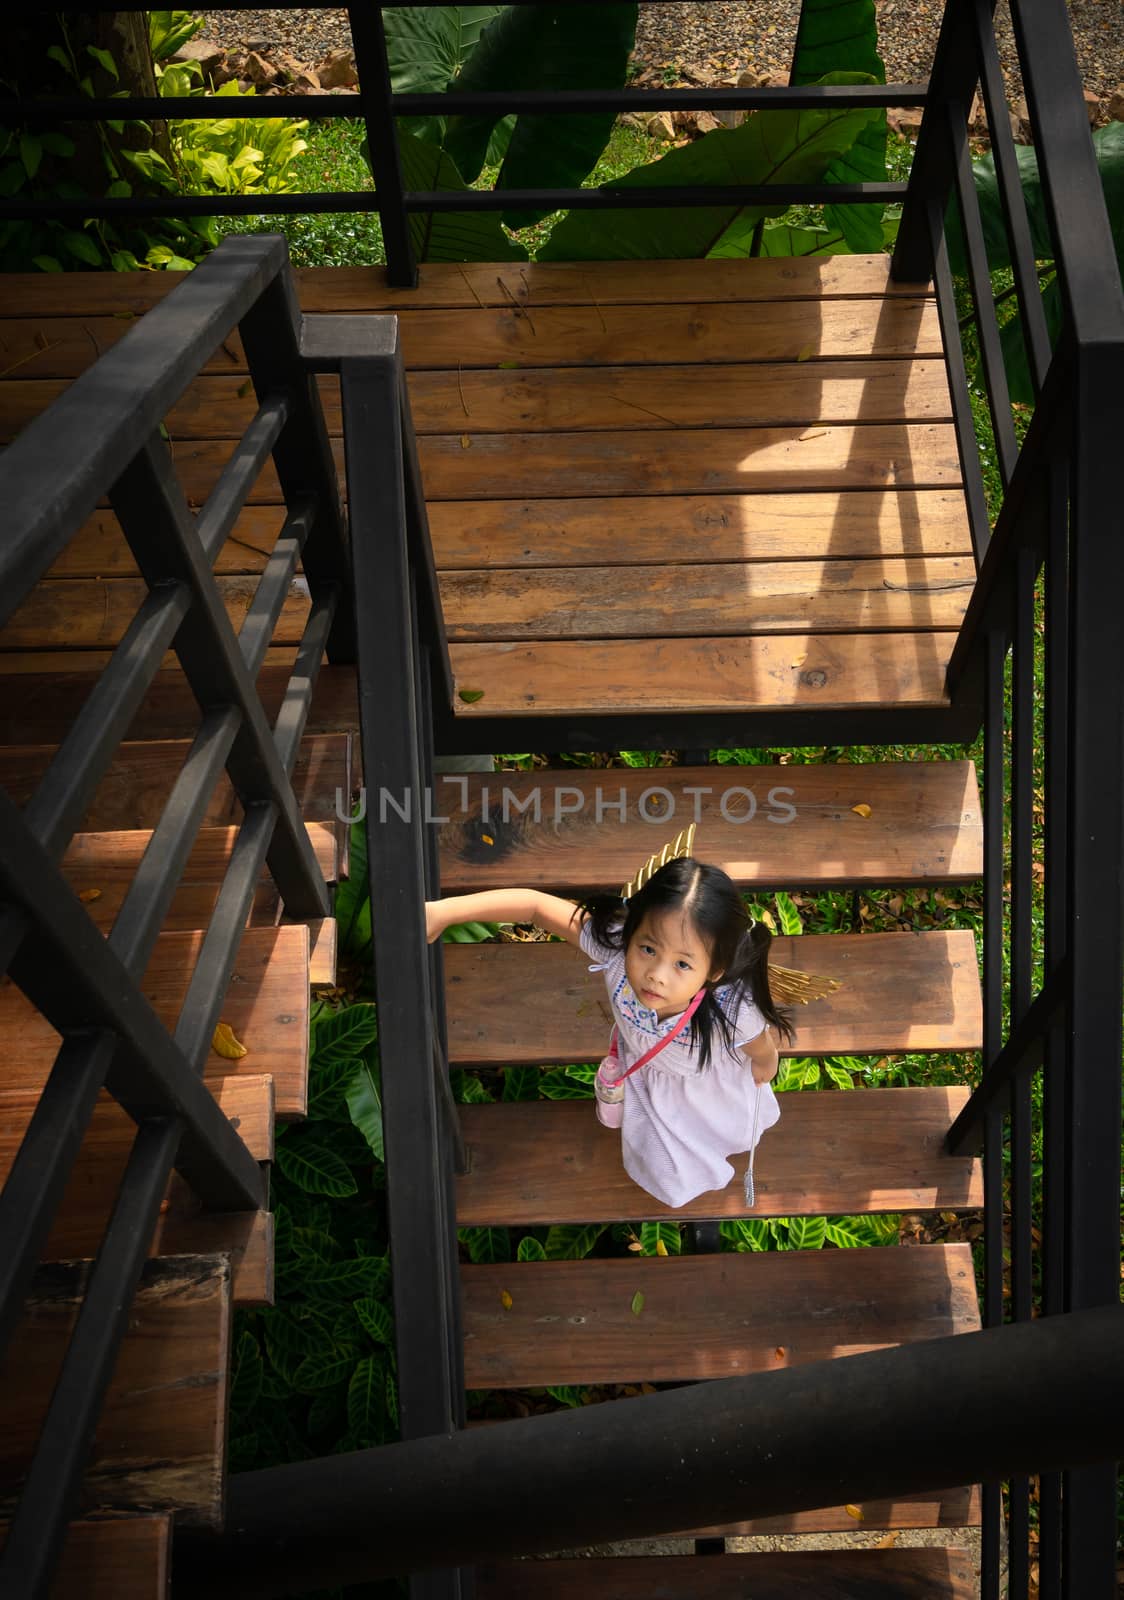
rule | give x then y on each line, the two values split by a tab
224	1044
856	1512
887	1540
86	895
245	389
813	433
861	810
487	838
466	442
506	1301
779	1352
805	353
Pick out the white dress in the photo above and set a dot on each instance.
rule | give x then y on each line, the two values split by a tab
681	1124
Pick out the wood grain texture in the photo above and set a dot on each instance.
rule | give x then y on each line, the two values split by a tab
99	549
801	1575
323	952
159	1444
106	862
665	529
925	824
135	788
719	460
520	1004
93	613
937	1508
565	398
732	598
338	289
267	1005
796	671
717	1316
875	1150
122	1558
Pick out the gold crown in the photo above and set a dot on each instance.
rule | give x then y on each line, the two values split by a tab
681	845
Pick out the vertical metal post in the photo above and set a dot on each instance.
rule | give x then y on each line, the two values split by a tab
369	39
1095	921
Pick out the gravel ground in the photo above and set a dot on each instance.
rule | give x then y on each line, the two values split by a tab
718	38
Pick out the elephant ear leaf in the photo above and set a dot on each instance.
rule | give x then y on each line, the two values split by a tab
427	48
450	235
769	147
842	36
542	47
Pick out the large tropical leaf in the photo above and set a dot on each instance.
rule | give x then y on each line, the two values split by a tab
544	47
769	147
364	1102
427	47
842	36
450	235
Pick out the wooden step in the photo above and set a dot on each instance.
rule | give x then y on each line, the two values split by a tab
939	1574
797	672
120	1558
658	530
532	1323
267	1005
160	1443
135	788
184	1228
831	1154
792	826
102	866
898	991
714	600
931	1508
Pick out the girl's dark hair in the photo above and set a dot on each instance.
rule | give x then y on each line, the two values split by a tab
739	953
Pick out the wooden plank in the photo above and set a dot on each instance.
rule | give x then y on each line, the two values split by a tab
925	824
899	991
337	289
831	1154
159	1444
566	398
267	1005
586	677
323	953
938	1574
935	1508
98	549
665	529
123	1558
135	788
719	1316
93	613
729	598
184	1228
583	335
107	862
48	702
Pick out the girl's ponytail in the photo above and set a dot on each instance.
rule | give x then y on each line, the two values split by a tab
756	980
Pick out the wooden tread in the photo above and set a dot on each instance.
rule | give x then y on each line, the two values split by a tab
136	785
120	1558
267	1005
831	1154
898	991
931	1508
925	824
184	1228
102	865
717	1316
159	1444
773	1575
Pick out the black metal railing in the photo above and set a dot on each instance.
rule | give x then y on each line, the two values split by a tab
379	108
1039	636
103	436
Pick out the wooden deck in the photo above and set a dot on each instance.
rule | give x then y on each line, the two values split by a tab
661	485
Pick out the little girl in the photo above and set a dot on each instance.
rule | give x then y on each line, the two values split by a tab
685	933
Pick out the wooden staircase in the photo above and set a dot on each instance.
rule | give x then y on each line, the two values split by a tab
564	1322
159	1455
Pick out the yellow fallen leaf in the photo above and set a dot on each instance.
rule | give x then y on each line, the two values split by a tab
887	1540
86	895
466	442
637	1303
779	1352
245	389
805	353
224	1044
856	1512
861	810
506	1301
487	838
661	1248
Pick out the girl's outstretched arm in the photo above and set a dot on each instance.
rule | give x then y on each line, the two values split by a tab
761	1053
560	917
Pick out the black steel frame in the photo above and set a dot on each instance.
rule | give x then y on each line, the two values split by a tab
102	437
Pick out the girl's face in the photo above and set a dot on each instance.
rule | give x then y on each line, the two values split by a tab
666	963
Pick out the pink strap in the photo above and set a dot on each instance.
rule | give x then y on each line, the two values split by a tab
656	1048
